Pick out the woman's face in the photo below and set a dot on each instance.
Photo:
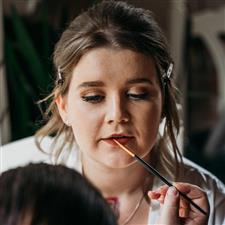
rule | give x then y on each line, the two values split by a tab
114	93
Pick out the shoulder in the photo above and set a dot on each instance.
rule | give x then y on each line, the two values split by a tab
22	152
195	174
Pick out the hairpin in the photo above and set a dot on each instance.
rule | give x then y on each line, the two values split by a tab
59	78
166	76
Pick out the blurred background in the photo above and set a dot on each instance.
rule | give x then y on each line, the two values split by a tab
196	34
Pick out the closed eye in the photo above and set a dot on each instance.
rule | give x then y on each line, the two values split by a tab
93	98
136	97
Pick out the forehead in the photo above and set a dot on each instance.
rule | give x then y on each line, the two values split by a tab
108	63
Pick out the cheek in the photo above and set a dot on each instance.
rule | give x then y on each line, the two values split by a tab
150	120
85	121
80	113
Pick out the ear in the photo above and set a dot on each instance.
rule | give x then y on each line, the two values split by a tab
61	103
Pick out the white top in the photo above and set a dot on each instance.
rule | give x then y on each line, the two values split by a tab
193	174
23	152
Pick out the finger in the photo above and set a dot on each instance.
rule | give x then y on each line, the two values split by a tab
184	208
170	209
158	194
188	189
161	199
163	190
184	212
184	203
196	194
172	198
153	195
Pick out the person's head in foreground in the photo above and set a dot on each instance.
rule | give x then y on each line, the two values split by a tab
42	194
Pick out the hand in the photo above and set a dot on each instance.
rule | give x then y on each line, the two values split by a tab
177	211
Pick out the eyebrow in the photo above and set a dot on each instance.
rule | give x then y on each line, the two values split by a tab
140	81
101	84
91	84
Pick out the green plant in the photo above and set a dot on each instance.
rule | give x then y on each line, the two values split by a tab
28	70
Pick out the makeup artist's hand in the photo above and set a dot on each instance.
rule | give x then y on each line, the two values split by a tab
176	210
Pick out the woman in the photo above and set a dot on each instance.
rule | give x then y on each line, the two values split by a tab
114	82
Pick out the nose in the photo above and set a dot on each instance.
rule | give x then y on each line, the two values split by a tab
117	111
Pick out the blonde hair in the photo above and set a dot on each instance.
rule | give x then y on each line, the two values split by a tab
119	25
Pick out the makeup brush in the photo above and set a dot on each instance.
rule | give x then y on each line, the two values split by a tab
156	173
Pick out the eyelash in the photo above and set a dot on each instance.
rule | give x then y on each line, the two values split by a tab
138	97
93	98
99	98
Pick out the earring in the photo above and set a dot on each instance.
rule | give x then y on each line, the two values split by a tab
66	121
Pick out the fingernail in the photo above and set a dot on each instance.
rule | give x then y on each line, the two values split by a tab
172	191
183	213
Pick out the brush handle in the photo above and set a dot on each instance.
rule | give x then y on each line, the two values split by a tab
156	173
152	170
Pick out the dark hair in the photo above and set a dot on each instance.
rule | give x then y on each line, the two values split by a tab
113	24
52	195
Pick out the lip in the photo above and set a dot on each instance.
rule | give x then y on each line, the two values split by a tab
121	138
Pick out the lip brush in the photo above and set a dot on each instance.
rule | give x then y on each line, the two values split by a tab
156	173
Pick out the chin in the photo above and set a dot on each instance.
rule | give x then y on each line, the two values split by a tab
120	163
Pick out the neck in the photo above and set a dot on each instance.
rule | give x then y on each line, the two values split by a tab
126	184
117	181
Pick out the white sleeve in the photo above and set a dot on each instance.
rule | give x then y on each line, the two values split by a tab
217	203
